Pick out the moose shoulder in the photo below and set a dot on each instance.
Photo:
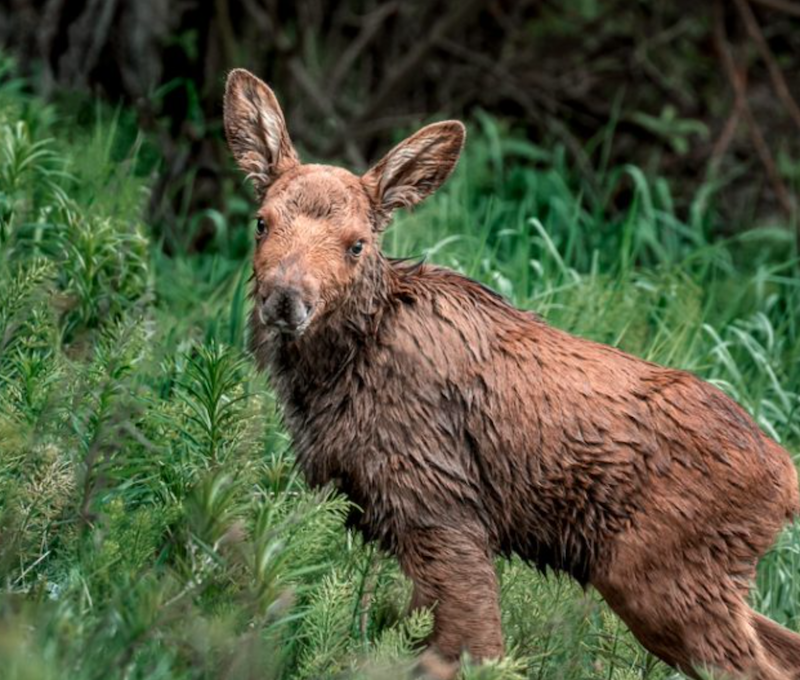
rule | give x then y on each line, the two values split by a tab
465	428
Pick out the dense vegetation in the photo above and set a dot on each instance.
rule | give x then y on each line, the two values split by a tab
151	524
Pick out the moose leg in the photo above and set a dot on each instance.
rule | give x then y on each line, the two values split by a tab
705	639
452	570
730	645
692	615
782	644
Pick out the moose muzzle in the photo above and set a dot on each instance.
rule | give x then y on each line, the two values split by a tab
286	309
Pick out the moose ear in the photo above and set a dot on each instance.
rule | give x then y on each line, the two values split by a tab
416	167
256	129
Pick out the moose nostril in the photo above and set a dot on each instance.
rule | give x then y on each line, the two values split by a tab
285	306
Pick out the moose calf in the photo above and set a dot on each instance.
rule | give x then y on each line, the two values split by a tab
464	428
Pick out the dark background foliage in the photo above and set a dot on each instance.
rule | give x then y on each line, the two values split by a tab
695	91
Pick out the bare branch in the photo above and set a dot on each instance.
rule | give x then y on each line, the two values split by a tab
781	5
372	24
399	77
775	73
737	81
323	104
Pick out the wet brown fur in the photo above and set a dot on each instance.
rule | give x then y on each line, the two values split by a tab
464	428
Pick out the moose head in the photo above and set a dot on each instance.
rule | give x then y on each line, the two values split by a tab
318	226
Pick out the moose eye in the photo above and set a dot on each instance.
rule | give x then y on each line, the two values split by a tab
261	226
356	248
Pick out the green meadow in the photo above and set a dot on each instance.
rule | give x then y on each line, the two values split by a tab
151	522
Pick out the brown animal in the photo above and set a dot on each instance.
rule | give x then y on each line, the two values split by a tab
464	428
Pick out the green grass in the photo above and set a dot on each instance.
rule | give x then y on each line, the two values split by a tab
151	523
